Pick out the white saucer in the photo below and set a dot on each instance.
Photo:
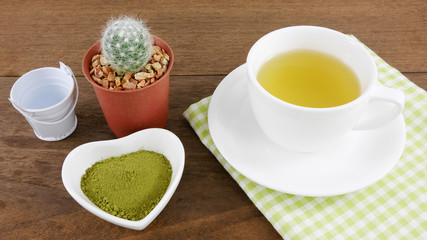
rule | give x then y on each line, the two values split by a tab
363	158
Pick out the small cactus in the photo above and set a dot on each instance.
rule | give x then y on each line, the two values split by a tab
126	44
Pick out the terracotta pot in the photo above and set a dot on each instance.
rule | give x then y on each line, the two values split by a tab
132	110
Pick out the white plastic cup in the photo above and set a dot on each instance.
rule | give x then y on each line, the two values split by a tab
308	129
44	96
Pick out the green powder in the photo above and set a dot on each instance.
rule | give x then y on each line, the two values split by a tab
128	186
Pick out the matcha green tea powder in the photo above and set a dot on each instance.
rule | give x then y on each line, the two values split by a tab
128	186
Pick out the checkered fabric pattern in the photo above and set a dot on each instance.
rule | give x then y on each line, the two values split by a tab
395	207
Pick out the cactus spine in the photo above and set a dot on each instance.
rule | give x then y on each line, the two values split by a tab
126	44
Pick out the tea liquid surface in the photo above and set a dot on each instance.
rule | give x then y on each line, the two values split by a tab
309	78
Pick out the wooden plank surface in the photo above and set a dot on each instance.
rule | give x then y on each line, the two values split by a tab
209	39
208	203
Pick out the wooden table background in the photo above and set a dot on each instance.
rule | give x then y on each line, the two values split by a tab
209	39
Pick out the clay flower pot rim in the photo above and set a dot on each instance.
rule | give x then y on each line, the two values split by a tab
89	78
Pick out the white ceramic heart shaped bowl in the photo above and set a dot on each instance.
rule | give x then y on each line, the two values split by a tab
84	156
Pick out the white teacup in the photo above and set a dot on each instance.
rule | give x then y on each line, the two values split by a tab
313	129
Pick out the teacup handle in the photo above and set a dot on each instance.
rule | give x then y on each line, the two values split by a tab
380	118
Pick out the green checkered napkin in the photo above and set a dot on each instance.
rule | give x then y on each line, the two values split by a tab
395	207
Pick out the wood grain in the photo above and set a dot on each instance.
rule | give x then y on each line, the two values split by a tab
34	202
209	39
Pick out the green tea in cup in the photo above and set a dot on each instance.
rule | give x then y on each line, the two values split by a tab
309	78
327	82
